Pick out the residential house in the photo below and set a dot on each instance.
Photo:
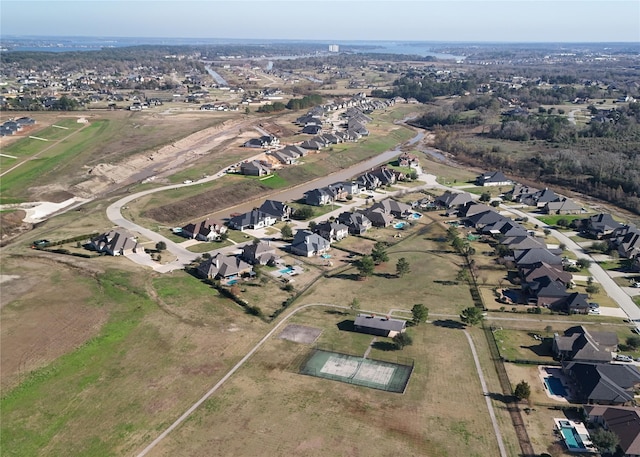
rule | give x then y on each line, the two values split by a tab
309	244
206	230
563	206
294	150
223	267
264	141
451	199
600	225
282	157
623	421
312	129
357	222
254	168
536	271
332	231
368	181
254	219
379	325
582	345
393	207
603	383
546	291
319	197
407	159
493	178
260	253
532	256
386	176
280	211
626	240
115	242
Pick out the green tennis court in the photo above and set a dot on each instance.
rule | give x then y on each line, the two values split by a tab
392	377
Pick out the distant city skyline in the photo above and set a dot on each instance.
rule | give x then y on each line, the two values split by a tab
570	21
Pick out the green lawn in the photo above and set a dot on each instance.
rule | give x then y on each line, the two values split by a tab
552	220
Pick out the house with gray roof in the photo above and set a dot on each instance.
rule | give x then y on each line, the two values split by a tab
260	253
357	222
393	207
205	230
603	383
493	178
332	231
563	206
579	344
115	242
223	267
254	168
308	244
600	225
277	209
379	325
452	199
254	219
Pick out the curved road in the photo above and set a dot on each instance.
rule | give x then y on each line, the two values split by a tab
183	256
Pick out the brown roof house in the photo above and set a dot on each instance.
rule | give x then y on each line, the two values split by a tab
115	242
624	421
206	230
260	253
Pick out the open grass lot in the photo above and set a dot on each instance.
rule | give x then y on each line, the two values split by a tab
147	353
267	408
552	220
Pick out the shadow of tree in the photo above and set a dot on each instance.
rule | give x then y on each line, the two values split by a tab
384	346
449	323
506	399
336	312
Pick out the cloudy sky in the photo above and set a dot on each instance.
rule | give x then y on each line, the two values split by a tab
333	20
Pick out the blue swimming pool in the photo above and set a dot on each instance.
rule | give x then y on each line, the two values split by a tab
286	271
326	256
416	216
232	282
571	438
555	387
399	225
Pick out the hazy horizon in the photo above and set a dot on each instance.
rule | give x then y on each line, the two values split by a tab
453	21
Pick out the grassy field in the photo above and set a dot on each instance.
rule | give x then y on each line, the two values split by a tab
318	417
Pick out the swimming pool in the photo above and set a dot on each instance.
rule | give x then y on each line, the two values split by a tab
571	438
555	387
416	216
231	282
286	271
399	225
326	256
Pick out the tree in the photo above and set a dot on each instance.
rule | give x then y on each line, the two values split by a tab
402	267
471	315
402	339
485	197
365	267
286	231
522	390
379	253
583	263
355	305
304	213
161	246
605	440
592	289
420	313
633	342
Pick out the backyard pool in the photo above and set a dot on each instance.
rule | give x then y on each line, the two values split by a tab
416	216
399	225
286	271
555	387
326	256
575	435
231	282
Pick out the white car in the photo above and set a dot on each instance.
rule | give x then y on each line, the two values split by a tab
623	358
594	311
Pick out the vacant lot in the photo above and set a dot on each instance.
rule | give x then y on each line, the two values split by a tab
267	408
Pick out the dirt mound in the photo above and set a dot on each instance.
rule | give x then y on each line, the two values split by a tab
11	224
206	203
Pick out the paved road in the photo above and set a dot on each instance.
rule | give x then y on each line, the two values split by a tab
183	256
599	274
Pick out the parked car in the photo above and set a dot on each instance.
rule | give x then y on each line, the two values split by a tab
594	311
593	305
623	358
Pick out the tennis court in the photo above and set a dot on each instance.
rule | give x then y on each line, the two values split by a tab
376	374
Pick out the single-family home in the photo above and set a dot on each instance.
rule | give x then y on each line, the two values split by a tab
493	178
224	267
319	197
264	141
379	325
393	207
563	206
623	421
603	383
254	219
600	225
308	244
451	199
254	168
357	222
260	253
115	242
332	231
277	209
407	159
206	230
579	344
